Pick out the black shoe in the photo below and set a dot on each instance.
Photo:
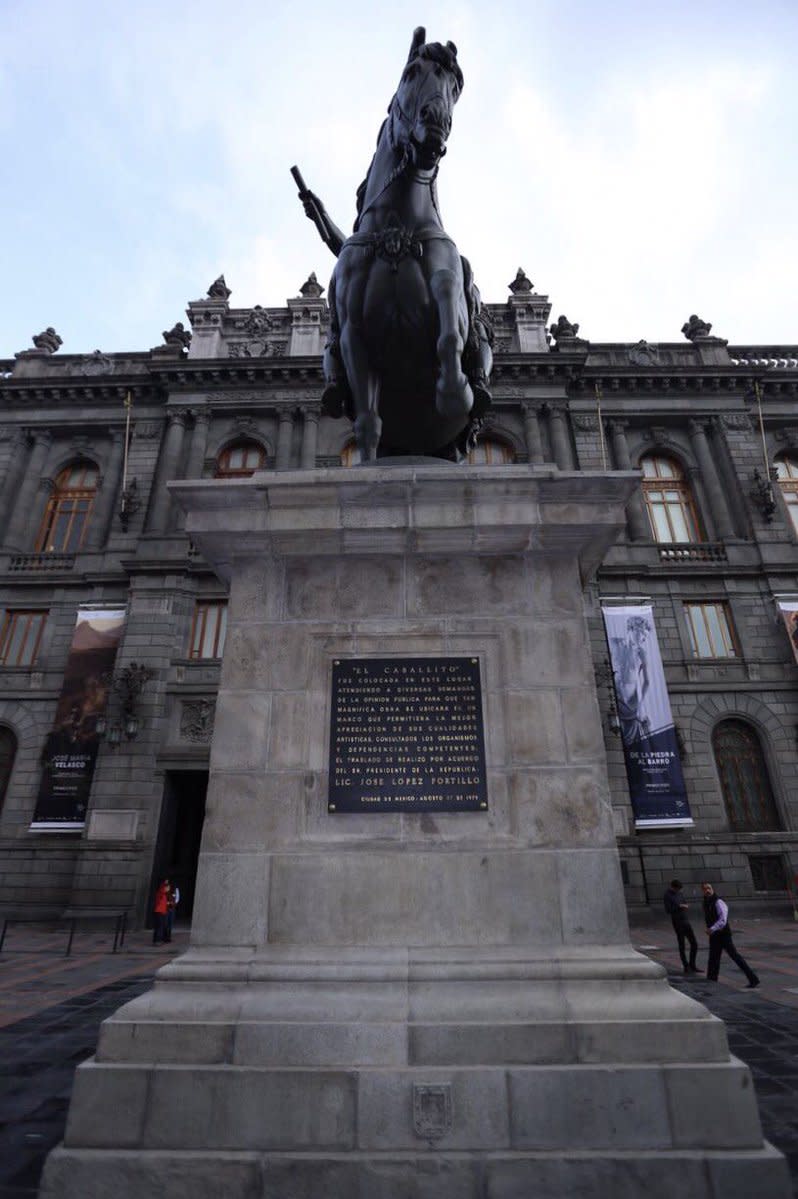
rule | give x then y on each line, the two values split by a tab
754	983
696	970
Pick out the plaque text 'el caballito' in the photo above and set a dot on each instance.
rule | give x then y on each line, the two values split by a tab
406	736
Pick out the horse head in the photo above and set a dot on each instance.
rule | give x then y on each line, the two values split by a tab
421	110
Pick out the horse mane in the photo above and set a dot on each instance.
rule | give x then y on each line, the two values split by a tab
395	173
445	56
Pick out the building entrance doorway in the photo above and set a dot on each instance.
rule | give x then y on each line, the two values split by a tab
179	835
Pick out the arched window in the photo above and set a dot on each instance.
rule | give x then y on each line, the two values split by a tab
240	460
8	751
787	471
669	502
66	517
350	454
744	778
489	451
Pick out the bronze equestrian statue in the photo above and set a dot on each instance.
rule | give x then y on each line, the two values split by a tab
409	352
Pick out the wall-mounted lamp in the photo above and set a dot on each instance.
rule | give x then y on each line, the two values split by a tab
128	683
762	492
129	504
605	678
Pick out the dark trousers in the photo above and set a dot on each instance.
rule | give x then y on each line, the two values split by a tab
684	932
159	928
717	943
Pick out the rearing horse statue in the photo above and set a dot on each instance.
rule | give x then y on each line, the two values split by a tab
409	353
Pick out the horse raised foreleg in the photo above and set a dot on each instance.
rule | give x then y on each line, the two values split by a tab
453	395
365	391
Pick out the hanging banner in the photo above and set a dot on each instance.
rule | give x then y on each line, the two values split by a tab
789	614
653	767
71	748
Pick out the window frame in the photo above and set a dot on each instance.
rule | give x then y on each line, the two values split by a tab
202	608
490	445
7	761
223	471
731	640
769	806
10	618
65	501
685	500
788	485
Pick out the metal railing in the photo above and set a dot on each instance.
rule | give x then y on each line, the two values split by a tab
42	562
692	551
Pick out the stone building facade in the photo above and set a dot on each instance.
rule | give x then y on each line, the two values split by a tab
89	442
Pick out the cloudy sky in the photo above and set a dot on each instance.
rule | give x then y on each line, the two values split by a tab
637	159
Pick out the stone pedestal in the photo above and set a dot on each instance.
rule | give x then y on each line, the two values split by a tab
405	1005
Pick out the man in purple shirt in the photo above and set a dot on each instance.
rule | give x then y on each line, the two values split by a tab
716	915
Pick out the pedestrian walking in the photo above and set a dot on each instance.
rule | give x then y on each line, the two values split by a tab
160	912
716	915
171	907
677	909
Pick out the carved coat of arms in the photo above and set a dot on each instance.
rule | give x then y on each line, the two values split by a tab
432	1110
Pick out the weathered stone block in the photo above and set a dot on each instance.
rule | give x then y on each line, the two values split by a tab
587	1107
535	731
231	899
454	586
241	731
561	807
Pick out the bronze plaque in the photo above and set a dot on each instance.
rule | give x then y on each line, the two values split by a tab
407	736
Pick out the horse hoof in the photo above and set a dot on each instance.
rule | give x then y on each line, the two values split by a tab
367	436
454	402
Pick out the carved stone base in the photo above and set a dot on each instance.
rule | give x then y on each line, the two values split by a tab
401	1006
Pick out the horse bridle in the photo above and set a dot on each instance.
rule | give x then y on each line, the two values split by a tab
401	166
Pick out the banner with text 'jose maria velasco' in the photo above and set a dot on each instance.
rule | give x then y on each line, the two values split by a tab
650	747
70	751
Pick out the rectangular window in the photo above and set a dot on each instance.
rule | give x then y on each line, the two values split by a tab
768	872
710	629
208	629
20	637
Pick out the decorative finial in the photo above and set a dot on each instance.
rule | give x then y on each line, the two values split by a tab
563	330
695	328
311	289
177	336
48	341
521	285
219	290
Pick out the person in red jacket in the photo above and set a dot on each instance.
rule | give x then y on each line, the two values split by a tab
160	911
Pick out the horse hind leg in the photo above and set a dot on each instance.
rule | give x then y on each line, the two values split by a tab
453	394
368	423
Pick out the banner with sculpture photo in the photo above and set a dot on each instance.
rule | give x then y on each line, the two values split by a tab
651	751
789	614
70	751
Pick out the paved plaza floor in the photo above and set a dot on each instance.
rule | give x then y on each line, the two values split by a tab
51	1007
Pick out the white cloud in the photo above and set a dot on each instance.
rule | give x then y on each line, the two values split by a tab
638	169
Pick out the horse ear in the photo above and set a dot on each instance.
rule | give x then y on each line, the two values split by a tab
418	40
450	46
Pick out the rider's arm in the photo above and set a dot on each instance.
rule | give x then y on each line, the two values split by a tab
329	232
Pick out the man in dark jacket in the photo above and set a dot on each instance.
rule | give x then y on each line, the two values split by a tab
677	910
716	915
